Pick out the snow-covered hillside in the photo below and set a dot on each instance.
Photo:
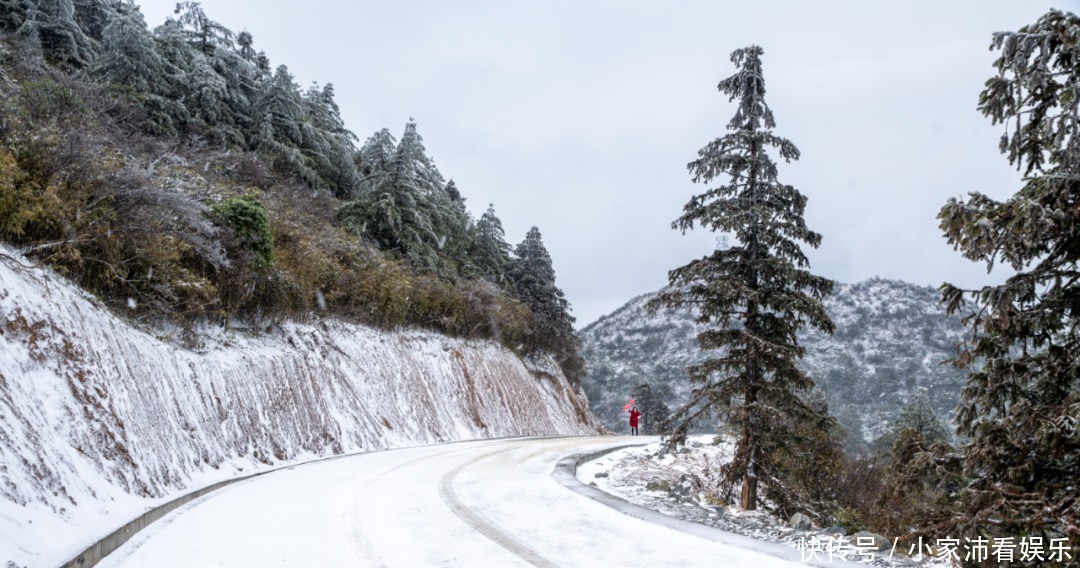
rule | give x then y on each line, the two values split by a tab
891	338
99	421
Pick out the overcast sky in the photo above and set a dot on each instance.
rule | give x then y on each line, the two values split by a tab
580	116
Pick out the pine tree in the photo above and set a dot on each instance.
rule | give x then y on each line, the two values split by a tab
534	280
328	144
921	475
440	200
374	158
553	326
244	46
490	252
395	206
207	99
13	14
279	119
201	32
413	164
51	23
168	108
246	50
93	16
917	422
453	225
216	84
1021	403
755	296
130	58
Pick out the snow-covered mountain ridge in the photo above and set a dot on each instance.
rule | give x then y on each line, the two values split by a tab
891	338
99	420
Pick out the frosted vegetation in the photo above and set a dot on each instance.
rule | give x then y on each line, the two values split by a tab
177	174
100	420
259	288
299	294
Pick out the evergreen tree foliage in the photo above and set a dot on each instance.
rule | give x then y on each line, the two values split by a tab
919	417
194	76
395	206
327	144
374	158
13	14
245	47
130	58
206	98
757	295
218	85
489	251
553	326
412	161
210	92
200	31
922	473
93	16
454	227
195	81
1021	402
279	112
650	401
917	420
51	24
403	203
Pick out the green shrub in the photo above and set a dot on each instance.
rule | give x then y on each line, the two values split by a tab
247	218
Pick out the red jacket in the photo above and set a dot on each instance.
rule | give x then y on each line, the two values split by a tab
633	418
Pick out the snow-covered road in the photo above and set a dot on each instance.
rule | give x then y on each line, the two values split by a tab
482	503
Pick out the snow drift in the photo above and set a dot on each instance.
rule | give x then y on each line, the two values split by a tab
100	421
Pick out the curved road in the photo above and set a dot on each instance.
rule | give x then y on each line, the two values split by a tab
482	503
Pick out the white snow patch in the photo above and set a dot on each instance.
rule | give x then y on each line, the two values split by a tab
645	476
100	421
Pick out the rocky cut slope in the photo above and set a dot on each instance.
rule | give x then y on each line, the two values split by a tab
99	421
891	338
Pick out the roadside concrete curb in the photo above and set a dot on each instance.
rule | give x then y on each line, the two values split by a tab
565	473
114	540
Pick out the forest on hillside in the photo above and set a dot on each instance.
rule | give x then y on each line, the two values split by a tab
176	173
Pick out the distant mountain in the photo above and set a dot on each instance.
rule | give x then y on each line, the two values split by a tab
891	338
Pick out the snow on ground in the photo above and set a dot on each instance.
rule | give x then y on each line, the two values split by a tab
674	484
486	503
100	421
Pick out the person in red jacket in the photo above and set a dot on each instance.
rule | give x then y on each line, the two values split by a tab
633	421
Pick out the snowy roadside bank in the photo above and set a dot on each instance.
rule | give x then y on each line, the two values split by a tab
672	485
100	421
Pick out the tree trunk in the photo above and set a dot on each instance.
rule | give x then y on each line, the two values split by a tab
749	488
749	493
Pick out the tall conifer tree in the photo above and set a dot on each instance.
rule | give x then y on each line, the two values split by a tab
755	297
130	58
1021	406
490	252
553	326
397	205
52	23
454	226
